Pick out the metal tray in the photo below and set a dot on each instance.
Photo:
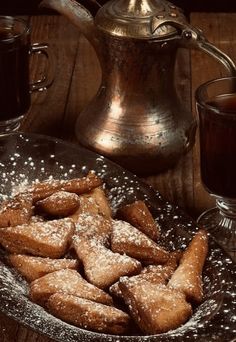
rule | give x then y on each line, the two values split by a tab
26	157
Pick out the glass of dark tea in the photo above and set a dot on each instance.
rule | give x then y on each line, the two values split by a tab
15	85
216	107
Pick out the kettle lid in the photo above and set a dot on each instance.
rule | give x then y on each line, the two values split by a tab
139	18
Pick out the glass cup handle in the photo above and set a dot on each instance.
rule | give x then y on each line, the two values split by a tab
48	77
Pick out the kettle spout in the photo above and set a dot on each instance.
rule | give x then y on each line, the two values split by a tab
77	14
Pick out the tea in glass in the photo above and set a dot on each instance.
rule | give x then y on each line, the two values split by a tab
216	106
15	86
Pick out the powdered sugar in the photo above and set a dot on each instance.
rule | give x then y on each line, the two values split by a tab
23	160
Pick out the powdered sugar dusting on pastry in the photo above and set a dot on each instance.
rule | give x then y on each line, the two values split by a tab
23	160
124	234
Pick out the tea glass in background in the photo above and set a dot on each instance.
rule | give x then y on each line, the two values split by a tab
15	87
216	106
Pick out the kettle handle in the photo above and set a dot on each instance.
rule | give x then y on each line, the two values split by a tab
194	38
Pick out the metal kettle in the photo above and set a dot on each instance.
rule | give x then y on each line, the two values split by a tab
136	117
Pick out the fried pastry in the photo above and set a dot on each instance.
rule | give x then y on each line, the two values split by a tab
174	258
102	267
66	281
115	291
156	286
36	267
129	240
79	186
188	276
98	197
94	227
139	216
88	315
46	239
36	218
165	271
59	204
93	203
155	274
102	202
155	308
16	211
87	207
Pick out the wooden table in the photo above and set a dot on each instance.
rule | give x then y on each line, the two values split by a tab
77	79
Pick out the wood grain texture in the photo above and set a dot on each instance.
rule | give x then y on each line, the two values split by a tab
84	85
77	78
48	108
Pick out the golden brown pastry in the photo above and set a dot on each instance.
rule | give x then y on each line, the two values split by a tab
155	308
102	202
98	197
16	211
94	227
94	202
174	258
155	274
166	270
79	186
102	267
47	239
59	204
87	207
66	281
88	315
157	295
139	216
32	267
37	218
129	240
188	276
115	291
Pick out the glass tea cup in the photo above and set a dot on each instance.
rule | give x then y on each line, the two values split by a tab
15	86
216	107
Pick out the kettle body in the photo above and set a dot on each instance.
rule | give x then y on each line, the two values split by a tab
136	117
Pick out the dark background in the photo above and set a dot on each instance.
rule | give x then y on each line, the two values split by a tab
22	7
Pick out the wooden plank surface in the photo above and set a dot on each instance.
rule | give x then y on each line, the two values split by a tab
84	85
76	81
48	108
